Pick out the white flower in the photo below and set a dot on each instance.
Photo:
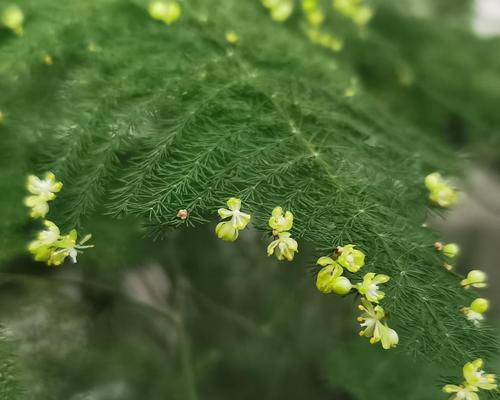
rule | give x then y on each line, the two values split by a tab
229	230
284	247
369	286
42	190
371	322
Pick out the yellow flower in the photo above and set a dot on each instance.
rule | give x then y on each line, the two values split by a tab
13	18
476	310
315	18
476	377
166	11
475	278
346	7
39	206
47	59
440	191
280	9
354	9
432	181
229	230
352	89
369	286
373	328
42	247
232	37
42	190
44	187
461	392
280	222
284	247
52	248
325	40
309	5
362	15
351	258
445	196
330	277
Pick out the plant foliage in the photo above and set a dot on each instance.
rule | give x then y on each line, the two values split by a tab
140	119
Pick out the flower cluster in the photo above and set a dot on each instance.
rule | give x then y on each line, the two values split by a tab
330	279
440	191
479	306
326	40
50	246
359	13
315	18
42	191
229	230
13	18
314	14
53	248
167	11
283	246
475	379
280	10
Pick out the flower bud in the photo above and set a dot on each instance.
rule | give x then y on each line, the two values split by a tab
480	305
341	286
451	250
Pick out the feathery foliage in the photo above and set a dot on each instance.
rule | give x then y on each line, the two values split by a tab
140	120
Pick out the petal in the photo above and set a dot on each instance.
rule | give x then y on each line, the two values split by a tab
39	210
323	261
240	220
469	372
369	276
381	278
433	180
359	258
451	388
226	231
224	213
271	247
57	257
31	182
234	204
291	244
487	386
472	396
324	279
277	211
54	186
287	225
52	227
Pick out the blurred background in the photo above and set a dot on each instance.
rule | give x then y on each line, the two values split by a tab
190	318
